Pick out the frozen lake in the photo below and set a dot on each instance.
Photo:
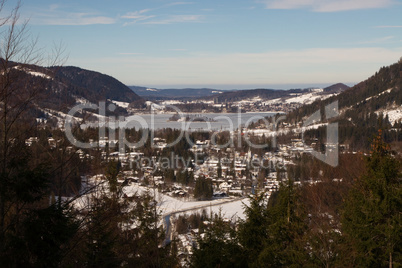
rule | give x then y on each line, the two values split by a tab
219	121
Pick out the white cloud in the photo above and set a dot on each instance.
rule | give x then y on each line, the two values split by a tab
327	5
140	16
55	16
179	3
76	19
177	19
137	16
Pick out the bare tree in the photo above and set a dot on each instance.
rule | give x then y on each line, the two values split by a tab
18	93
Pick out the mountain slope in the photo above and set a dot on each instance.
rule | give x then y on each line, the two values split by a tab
380	91
363	109
92	85
55	90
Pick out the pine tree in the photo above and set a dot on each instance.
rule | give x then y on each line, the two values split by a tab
253	232
203	189
219	247
371	220
286	226
272	234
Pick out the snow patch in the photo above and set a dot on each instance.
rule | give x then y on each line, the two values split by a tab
394	115
39	74
317	90
171	102
81	100
121	103
28	71
308	98
303	99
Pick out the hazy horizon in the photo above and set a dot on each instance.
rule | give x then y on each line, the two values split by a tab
228	87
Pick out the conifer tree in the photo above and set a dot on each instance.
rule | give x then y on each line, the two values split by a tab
286	225
219	247
371	219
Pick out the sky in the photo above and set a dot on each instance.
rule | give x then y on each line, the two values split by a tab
224	44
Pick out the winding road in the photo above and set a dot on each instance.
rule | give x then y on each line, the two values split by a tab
168	224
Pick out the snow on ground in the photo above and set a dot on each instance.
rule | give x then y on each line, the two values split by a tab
267	132
171	102
309	127
317	90
229	207
394	115
386	91
39	74
121	103
154	105
304	98
167	204
309	97
60	116
248	101
376	96
230	210
32	72
282	131
269	102
80	100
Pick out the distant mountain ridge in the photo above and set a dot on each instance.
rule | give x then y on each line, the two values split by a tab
226	95
270	94
160	94
336	88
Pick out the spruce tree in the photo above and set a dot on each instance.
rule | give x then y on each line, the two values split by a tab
219	246
371	220
286	225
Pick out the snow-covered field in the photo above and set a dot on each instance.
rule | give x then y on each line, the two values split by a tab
230	207
282	131
308	98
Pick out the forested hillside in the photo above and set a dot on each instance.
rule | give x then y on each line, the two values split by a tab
60	88
364	108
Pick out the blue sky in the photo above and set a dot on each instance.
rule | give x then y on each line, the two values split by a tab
223	44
